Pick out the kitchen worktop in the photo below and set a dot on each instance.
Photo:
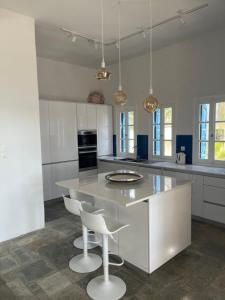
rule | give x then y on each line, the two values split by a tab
197	169
122	194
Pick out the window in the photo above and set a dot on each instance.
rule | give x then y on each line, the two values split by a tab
211	132
127	133
163	132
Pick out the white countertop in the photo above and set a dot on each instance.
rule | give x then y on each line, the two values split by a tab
203	170
122	194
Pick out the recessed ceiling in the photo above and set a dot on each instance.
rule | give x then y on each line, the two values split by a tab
84	16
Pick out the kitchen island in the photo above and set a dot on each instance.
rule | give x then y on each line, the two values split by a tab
158	209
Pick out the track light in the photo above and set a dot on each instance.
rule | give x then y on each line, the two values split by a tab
144	34
74	38
117	45
181	15
96	45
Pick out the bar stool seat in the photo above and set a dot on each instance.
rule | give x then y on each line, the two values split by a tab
105	286
86	262
88	202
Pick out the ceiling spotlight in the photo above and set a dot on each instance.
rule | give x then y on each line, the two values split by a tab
144	34
74	38
181	16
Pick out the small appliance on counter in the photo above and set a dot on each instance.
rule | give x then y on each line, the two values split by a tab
87	149
181	158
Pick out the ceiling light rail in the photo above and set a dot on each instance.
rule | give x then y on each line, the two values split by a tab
179	16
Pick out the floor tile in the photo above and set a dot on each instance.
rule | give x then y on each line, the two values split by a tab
35	271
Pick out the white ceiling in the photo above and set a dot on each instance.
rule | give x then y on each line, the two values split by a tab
84	16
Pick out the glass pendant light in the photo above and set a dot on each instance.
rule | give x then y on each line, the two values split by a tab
151	103
102	73
119	96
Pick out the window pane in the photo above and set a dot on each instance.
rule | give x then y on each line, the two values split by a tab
156	132
220	111
204	150
204	112
123	132
220	132
168	115
131	132
168	132
220	151
156	148
131	146
167	148
123	146
156	117
130	118
122	119
204	131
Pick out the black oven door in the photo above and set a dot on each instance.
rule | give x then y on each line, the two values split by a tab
87	160
87	138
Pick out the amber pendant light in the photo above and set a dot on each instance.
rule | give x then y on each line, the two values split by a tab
119	96
151	104
102	73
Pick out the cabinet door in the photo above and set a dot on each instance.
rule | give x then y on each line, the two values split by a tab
82	116
104	128
44	127
60	172
145	171
197	195
178	175
91	116
47	179
63	132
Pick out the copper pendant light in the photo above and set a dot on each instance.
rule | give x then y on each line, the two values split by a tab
151	104
102	73
119	96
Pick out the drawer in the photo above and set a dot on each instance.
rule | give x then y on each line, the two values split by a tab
145	171
214	212
214	194
213	181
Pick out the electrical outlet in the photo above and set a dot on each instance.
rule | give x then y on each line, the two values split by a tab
182	148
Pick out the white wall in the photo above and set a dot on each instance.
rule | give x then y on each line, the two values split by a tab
63	81
182	72
21	193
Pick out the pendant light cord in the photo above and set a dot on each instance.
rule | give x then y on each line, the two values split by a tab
102	29
150	48
119	38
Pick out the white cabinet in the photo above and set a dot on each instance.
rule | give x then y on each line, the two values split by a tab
44	127
104	130
81	116
104	166
63	131
91	116
145	171
57	172
197	195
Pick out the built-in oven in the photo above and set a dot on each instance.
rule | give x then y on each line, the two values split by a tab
87	138
87	149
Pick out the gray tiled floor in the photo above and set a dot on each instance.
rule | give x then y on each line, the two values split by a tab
35	266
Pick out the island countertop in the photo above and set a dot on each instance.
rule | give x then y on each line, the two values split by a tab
122	194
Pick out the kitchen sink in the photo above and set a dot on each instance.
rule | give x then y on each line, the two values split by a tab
132	159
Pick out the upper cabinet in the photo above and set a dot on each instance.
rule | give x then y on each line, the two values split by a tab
104	130
86	116
44	126
58	131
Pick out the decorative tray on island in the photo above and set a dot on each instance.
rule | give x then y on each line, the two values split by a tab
123	176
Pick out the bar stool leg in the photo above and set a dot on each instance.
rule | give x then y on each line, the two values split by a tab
106	286
86	262
79	243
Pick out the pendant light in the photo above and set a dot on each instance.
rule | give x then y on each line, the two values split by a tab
102	73
151	104
120	97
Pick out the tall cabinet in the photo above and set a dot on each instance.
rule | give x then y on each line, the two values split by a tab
59	145
59	122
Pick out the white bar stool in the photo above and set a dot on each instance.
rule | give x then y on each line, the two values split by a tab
86	262
105	286
78	242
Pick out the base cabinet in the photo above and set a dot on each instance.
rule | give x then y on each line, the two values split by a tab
57	172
